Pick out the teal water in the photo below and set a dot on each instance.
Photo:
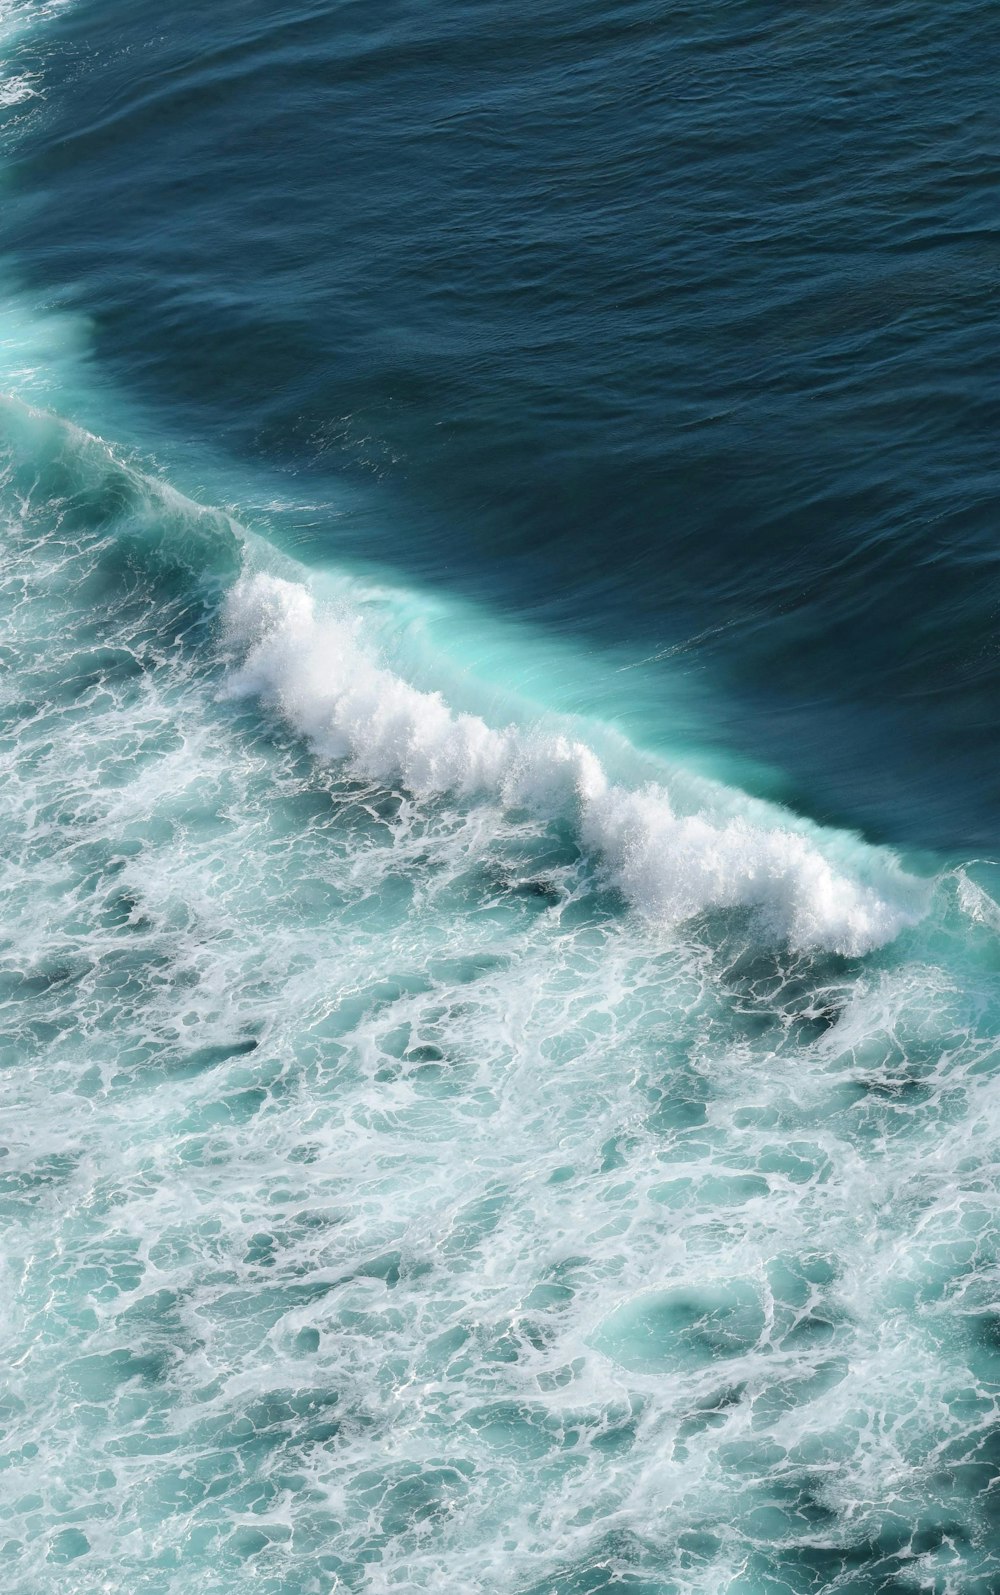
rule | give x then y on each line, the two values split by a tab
472	1120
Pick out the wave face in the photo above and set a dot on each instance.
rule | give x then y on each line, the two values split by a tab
450	1142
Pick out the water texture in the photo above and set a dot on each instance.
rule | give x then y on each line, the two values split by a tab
500	938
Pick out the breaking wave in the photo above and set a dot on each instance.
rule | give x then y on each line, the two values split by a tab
313	667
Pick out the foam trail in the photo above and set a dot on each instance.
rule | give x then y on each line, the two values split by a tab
315	670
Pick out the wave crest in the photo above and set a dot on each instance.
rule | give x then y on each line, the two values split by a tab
813	889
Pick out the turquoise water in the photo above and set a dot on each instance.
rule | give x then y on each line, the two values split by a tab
488	1104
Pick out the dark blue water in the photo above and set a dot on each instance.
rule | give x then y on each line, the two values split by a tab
661	326
499	970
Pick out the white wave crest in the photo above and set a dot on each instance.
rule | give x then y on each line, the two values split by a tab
807	887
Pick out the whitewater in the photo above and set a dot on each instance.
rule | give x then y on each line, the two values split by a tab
446	1147
430	1162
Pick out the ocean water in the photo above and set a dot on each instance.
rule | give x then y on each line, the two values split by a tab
501	914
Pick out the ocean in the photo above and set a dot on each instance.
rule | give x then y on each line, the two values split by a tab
500	967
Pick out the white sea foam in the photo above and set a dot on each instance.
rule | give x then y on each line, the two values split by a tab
314	668
496	1244
974	902
16	89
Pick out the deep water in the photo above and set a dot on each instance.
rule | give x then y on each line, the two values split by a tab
500	907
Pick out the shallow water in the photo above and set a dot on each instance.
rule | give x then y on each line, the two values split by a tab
499	987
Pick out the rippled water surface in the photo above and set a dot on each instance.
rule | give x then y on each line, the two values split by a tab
499	977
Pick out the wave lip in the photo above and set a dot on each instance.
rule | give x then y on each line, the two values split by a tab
816	890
